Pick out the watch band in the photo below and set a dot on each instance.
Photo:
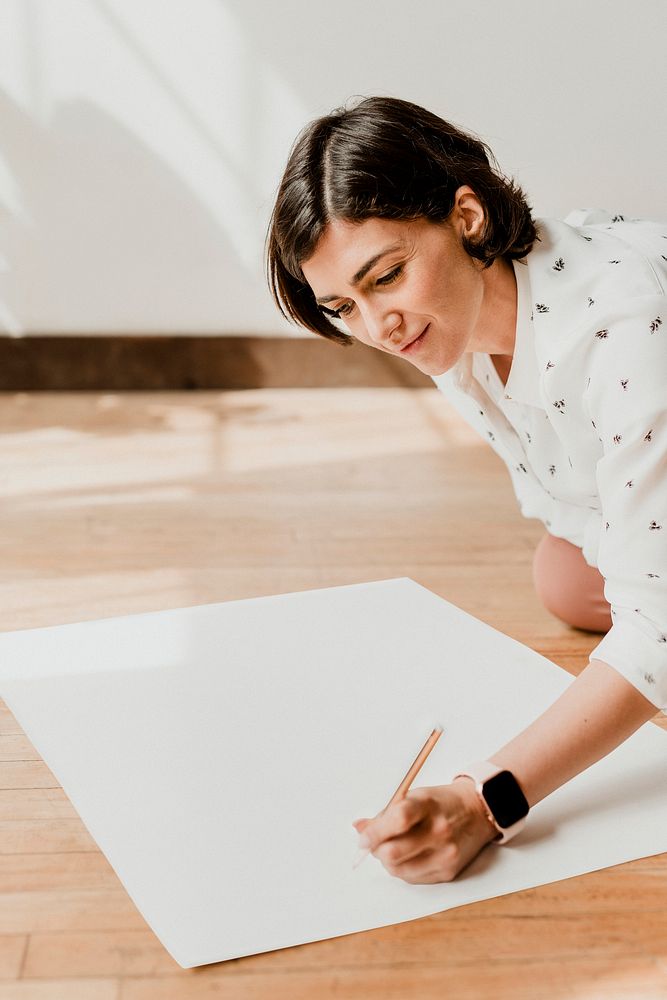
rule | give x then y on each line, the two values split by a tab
482	773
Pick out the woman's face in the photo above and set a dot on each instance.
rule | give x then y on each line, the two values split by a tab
406	288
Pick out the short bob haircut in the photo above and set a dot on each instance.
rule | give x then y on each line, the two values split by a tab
383	158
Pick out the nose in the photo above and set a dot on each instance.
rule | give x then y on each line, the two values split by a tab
380	324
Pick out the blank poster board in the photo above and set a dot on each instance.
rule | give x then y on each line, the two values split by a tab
218	755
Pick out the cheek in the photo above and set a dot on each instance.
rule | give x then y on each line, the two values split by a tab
355	327
445	295
456	305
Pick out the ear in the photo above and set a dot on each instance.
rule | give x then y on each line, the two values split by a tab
468	211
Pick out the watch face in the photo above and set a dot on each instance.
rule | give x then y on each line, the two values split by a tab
505	799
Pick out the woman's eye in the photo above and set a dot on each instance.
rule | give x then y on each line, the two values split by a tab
387	279
339	313
348	307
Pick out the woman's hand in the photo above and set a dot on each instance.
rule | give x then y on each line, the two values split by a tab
431	834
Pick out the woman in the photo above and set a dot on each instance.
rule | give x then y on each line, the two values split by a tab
392	227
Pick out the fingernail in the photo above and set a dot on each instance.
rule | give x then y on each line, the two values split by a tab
364	842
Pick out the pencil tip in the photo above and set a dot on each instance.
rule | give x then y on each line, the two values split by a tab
360	857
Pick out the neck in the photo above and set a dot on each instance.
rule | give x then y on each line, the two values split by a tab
495	331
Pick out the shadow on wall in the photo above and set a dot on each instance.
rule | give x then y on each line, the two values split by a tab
82	211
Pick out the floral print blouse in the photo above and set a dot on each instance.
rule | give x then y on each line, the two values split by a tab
582	422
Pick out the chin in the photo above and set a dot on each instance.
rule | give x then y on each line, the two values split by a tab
430	368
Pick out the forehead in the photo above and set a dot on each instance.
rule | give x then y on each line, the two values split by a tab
345	246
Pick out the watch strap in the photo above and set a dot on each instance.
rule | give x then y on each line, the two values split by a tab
480	773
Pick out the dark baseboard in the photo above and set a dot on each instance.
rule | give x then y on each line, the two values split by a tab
50	363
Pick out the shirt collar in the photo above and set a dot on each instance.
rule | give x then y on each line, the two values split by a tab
523	382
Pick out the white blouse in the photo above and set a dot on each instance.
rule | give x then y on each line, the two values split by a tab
582	421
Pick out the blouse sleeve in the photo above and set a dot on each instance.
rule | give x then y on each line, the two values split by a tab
626	397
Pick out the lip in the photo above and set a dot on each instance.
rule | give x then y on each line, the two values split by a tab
414	343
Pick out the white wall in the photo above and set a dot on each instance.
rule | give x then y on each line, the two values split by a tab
142	140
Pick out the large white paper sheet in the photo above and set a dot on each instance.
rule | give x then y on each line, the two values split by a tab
219	753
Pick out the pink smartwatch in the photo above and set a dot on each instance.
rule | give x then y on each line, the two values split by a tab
504	802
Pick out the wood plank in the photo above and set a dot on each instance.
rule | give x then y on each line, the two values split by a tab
35	803
26	774
73	910
75	870
469	934
16	746
61	989
632	978
90	953
36	836
12	950
8	723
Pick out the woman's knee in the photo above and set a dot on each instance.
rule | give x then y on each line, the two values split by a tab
568	587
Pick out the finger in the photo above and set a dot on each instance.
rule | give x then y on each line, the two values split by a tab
359	824
395	821
406	847
429	867
419	868
424	871
423	792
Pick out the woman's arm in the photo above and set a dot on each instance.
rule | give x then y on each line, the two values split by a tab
435	832
593	716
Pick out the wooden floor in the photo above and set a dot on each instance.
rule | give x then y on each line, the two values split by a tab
121	503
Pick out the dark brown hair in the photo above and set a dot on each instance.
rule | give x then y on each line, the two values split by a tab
391	159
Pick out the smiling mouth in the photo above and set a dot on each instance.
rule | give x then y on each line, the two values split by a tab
415	341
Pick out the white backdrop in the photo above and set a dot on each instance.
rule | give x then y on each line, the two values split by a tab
143	140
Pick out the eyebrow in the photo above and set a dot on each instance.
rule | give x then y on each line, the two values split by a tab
363	271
